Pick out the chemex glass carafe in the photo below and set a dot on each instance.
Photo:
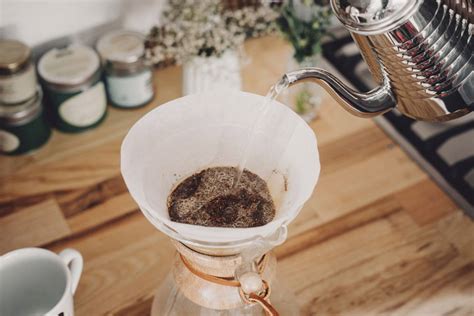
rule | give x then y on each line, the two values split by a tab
221	271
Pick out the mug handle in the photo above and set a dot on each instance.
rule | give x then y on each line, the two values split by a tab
73	260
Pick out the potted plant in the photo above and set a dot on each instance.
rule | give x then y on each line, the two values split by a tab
304	23
206	39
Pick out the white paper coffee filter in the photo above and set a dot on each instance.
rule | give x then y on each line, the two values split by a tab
191	133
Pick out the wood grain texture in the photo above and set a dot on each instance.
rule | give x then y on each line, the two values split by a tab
379	268
425	202
33	226
377	237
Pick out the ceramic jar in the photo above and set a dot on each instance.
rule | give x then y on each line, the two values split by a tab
75	93
17	73
23	127
212	73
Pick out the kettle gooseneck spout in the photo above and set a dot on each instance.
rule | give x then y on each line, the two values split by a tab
368	104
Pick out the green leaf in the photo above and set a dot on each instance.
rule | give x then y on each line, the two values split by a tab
305	36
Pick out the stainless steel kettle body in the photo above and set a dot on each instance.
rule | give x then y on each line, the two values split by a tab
420	52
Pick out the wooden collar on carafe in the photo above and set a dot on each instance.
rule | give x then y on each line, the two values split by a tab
262	298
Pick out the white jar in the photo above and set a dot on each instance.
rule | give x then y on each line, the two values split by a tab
17	73
128	78
212	73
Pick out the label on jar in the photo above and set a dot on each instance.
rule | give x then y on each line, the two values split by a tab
18	87
130	91
86	108
8	141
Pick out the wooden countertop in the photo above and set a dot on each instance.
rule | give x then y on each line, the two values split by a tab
377	236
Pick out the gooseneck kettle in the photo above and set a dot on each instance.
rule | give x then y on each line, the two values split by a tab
420	53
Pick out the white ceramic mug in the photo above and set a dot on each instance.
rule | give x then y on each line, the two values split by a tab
35	281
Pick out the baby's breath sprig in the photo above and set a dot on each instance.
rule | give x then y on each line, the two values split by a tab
205	28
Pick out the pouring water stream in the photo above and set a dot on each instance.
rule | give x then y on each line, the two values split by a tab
271	96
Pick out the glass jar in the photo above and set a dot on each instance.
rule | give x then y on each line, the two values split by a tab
75	94
129	79
17	74
23	127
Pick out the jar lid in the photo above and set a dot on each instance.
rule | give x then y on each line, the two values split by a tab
13	55
15	114
72	65
122	46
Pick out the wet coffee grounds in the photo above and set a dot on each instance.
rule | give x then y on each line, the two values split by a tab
207	199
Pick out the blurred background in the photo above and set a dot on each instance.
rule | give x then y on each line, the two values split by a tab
36	22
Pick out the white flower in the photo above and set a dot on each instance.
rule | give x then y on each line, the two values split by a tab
202	27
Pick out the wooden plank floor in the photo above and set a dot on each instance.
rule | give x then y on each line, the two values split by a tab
377	237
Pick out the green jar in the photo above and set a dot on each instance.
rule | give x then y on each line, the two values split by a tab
23	127
74	92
